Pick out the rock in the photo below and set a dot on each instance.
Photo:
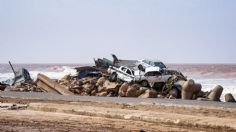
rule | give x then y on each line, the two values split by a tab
203	99
77	91
101	89
102	94
74	82
160	96
133	91
123	89
110	86
189	88
229	98
87	80
93	81
66	78
80	83
93	93
143	89
173	93
216	93
100	81
88	88
172	97
149	94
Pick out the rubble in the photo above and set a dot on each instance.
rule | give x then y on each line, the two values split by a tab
229	98
94	81
215	93
49	85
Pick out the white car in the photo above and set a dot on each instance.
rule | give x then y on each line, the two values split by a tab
123	73
152	79
143	64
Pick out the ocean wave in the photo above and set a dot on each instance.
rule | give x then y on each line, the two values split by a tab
56	74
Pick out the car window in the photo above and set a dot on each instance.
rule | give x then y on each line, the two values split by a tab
123	69
160	64
128	72
148	74
157	74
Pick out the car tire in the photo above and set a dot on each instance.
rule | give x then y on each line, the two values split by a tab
144	83
113	77
158	86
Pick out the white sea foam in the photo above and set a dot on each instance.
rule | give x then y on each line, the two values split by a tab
228	84
51	74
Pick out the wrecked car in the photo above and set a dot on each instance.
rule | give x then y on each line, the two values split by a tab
123	73
20	76
144	64
153	79
87	71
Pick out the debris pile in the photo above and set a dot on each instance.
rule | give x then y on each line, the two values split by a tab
118	78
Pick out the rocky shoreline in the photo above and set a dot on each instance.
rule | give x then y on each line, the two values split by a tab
103	86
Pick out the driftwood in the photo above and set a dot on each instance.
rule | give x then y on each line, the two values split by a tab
50	86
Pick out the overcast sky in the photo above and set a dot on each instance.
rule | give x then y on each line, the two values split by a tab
76	31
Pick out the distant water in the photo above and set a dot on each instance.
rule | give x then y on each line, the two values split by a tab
209	75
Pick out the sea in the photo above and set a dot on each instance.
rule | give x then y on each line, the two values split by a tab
209	75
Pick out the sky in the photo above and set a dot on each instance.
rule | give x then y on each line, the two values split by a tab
76	31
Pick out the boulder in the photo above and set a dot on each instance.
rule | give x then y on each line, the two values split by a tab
74	82
100	81
110	86
173	93
133	91
102	94
80	83
93	81
229	98
143	89
93	93
66	78
87	80
101	89
77	91
88	88
215	93
149	94
123	89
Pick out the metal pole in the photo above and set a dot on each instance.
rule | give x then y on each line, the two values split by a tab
12	68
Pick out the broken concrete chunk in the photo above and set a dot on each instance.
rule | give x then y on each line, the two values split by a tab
216	93
229	98
189	88
49	83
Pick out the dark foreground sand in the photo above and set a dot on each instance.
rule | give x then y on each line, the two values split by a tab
58	115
